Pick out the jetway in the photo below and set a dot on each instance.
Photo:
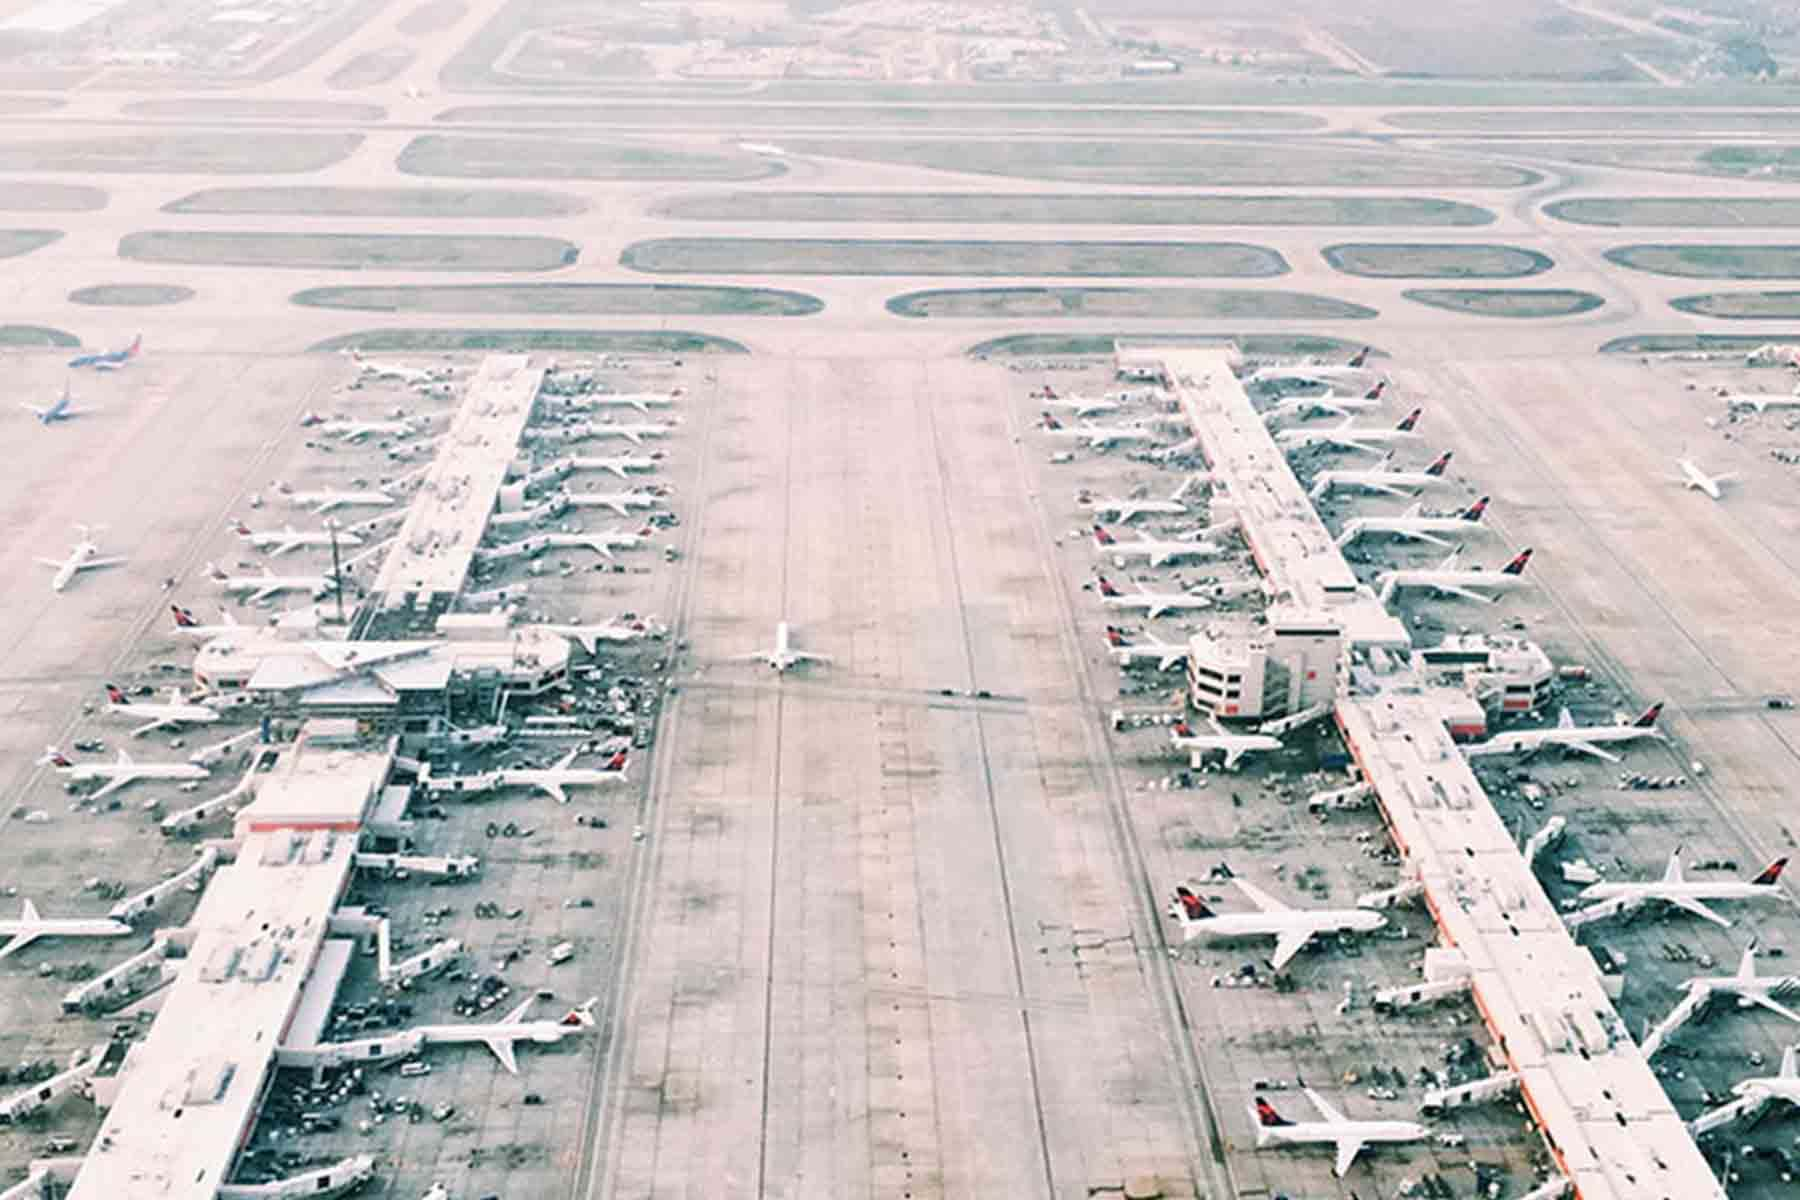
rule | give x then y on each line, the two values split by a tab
1740	1109
41	1095
132	908
1553	1189
1441	1100
1392	897
466	866
137	976
338	1179
1343	799
1542	840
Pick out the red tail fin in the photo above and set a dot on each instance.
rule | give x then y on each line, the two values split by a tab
1103	537
59	759
1475	510
1409	420
137	343
617	761
183	618
1374	393
1648	720
242	529
1360	357
1114	637
572	1018
1106	587
115	696
1182	729
1050	421
1438	467
1771	873
1192	906
1267	1116
1517	565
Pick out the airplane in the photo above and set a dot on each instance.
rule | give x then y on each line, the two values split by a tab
1292	928
59	411
635	434
1124	510
1081	406
254	588
324	502
110	360
1126	651
81	558
1233	745
174	712
1693	477
371	370
620	464
1382	478
30	927
189	626
1156	551
1676	889
588	637
1449	579
1330	403
121	773
1761	401
1571	737
279	541
620	502
1098	437
504	1035
356	431
1325	373
1348	437
1751	989
642	401
554	780
1783	1085
1414	524
1153	604
1349	1137
783	657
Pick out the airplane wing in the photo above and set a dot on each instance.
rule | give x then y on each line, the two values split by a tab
159	723
92	563
1774	1006
1156	609
1288	945
1259	897
518	1014
1386	488
1347	1150
262	594
18	942
632	436
1331	1115
1590	748
503	1050
807	656
34	410
325	506
1689	904
1420	536
112	785
616	469
1349	443
554	791
52	562
1451	589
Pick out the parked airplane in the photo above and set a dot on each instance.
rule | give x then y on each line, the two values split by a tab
1127	650
189	626
783	657
619	502
369	369
1348	437
642	401
110	360
121	773
1081	406
633	433
1349	1137
1762	401
1783	1085
1693	477
554	780
1383	478
254	588
1153	604
588	637
1571	737
1325	373
1676	889
356	431
174	712
61	410
1750	989
618	464
1330	404
1124	510
1098	437
1417	526
31	926
505	1034
324	502
1233	745
82	557
1450	580
1292	928
1156	551
279	541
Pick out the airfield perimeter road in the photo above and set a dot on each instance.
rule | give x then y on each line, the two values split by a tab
894	944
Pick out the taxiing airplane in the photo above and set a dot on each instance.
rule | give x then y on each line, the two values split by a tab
1693	477
1330	404
1382	478
83	556
504	1035
121	773
1572	738
1127	650
1098	437
279	541
1125	510
1674	888
370	369
620	502
62	410
174	712
1156	551
783	657
187	625
1233	745
1326	373
1348	437
1152	604
1333	1128
1292	928
1450	580
110	360
554	780
619	464
1415	525
254	588
30	927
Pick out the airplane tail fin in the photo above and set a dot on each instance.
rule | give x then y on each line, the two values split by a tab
1771	873
1267	1117
1476	510
1050	421
617	761
1103	538
1410	420
1440	464
1374	393
55	758
1648	720
1115	637
1517	565
184	619
1360	357
137	343
1790	1063
115	696
1193	908
1106	586
28	912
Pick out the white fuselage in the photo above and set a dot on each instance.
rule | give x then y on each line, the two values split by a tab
279	541
326	501
1343	438
1699	480
1125	510
1309	922
618	464
1422	528
1233	745
1687	889
1391	482
620	502
269	585
1524	741
1155	604
1450	580
1332	1133
1158	551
